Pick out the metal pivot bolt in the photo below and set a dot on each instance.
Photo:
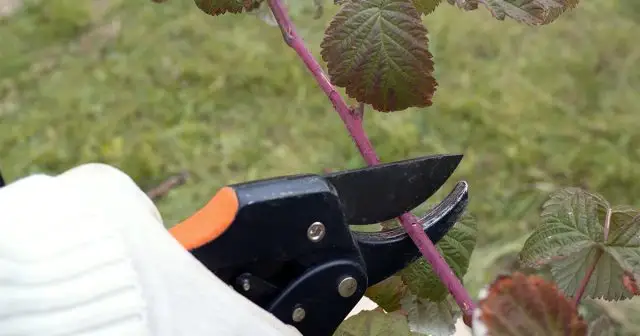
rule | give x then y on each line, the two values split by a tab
298	314
246	285
316	232
347	286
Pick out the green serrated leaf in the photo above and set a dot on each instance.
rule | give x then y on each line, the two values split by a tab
563	198
621	216
553	238
218	7
374	323
426	7
456	247
377	51
525	11
532	12
573	236
605	282
624	314
388	293
602	326
431	318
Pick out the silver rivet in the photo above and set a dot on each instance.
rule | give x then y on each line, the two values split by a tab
315	232
246	285
347	286
298	314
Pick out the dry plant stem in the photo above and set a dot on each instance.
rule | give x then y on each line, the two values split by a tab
592	267
163	188
353	123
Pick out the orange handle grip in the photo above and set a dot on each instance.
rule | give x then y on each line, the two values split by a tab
209	222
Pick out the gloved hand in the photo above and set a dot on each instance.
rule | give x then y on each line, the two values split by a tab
85	253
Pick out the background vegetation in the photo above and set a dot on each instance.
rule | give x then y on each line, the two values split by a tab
157	89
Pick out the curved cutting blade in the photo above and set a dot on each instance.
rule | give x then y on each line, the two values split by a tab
387	252
382	192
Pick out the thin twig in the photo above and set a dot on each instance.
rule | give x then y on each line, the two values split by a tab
163	188
355	128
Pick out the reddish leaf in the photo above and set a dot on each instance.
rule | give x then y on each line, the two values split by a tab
630	283
378	51
217	7
518	304
532	12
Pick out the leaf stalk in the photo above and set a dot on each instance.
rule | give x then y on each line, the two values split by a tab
585	280
596	259
354	126
607	224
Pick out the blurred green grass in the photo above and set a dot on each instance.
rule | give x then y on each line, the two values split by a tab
154	89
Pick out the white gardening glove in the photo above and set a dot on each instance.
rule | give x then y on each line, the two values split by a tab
86	253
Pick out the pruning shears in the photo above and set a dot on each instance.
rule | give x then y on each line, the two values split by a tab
285	243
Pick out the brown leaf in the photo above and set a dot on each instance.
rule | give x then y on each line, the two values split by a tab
378	51
218	7
518	304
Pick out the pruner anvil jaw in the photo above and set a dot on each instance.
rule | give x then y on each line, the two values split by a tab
292	253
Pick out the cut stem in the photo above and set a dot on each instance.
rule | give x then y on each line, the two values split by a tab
356	130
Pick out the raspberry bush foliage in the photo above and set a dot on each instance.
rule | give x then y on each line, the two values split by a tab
584	249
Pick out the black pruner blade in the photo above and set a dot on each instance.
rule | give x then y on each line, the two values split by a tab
387	252
382	192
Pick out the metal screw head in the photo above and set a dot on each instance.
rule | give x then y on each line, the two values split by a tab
347	286
246	285
316	232
298	314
